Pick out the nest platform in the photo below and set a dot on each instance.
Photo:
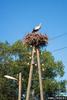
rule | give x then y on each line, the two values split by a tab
36	39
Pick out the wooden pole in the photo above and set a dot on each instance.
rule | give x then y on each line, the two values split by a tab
30	75
40	78
20	86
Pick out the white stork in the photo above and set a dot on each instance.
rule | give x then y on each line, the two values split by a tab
36	28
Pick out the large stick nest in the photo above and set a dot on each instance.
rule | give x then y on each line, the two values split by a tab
36	39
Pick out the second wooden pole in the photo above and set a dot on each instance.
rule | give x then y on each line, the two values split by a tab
40	78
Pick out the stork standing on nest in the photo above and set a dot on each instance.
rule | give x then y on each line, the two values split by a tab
36	40
36	28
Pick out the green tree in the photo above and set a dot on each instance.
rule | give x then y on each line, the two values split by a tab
16	58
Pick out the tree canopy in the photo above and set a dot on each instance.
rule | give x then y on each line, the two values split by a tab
16	58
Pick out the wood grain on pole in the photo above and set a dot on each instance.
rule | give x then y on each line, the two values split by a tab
39	72
30	76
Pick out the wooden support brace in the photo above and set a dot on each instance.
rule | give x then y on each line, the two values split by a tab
40	78
30	75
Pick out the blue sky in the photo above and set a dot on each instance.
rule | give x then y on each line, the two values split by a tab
17	17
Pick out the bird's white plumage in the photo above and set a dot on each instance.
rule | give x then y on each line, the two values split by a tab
36	28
